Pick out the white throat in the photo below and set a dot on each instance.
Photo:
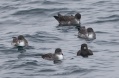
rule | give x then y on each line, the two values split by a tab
90	35
21	43
59	56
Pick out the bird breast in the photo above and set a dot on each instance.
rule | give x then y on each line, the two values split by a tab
59	57
21	43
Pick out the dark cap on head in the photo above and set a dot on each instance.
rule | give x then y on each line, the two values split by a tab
58	51
90	30
78	16
84	47
20	37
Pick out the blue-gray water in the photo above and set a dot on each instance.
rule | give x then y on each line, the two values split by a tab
34	19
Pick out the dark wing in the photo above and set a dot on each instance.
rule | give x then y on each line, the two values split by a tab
26	42
90	52
79	53
57	18
48	56
59	14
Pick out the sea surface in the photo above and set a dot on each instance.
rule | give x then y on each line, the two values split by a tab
34	19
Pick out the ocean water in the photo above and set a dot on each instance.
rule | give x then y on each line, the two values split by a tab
34	19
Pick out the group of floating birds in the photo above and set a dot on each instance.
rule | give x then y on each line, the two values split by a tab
64	20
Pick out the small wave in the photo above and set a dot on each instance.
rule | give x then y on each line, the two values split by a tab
66	29
43	48
53	72
47	70
77	0
26	64
11	61
75	71
101	32
102	42
7	7
51	2
43	37
107	42
38	11
34	2
23	55
100	2
114	43
105	21
109	17
30	47
9	51
9	22
2	46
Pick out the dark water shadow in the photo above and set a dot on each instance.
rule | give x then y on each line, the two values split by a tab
66	28
57	61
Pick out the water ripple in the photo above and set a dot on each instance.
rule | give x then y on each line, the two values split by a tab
51	2
105	21
43	37
37	11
